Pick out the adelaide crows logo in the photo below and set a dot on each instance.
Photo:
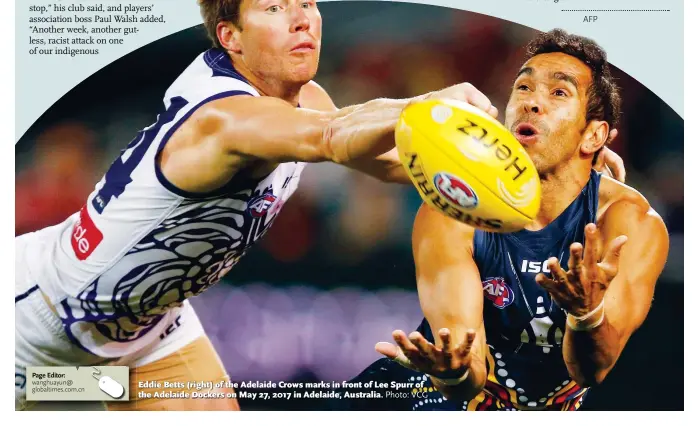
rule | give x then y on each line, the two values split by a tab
260	204
497	291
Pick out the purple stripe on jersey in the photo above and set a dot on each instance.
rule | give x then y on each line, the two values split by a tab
221	65
26	294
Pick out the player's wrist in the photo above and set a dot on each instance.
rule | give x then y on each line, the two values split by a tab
420	98
450	381
588	321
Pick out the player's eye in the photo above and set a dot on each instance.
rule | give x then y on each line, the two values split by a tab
560	92
274	9
522	87
306	5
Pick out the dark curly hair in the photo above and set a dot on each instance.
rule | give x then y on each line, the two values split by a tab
215	11
603	95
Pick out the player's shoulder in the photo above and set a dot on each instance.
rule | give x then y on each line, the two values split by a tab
432	226
222	112
615	193
313	88
314	96
237	110
621	204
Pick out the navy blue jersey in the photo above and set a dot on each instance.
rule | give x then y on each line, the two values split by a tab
524	326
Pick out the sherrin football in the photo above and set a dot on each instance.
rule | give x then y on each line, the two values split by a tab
465	164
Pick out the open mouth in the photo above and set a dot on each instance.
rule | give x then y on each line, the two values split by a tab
526	133
526	129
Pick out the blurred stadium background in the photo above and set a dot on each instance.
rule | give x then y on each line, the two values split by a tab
335	273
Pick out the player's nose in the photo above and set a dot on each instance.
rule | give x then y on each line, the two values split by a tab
531	105
299	20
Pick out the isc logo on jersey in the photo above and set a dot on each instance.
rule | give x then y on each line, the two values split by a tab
534	267
455	190
498	292
261	204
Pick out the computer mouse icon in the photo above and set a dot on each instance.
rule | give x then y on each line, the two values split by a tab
111	387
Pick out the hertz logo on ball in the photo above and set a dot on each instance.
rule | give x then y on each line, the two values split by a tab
467	165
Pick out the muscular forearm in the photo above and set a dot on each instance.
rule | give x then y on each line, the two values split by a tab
589	355
364	131
396	173
386	168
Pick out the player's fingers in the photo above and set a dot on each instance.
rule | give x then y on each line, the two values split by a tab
447	349
426	349
600	163
575	262
608	172
476	98
556	270
590	246
609	265
409	349
445	336
614	162
493	111
601	166
387	349
395	353
467	345
548	284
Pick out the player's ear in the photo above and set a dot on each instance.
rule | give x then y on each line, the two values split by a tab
229	37
594	137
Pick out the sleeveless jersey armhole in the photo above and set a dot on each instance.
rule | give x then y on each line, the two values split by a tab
478	241
228	186
211	77
594	194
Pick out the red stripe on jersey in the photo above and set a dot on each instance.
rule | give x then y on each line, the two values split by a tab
86	237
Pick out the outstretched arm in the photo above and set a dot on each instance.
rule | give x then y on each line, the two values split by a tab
387	166
269	129
608	297
272	130
450	294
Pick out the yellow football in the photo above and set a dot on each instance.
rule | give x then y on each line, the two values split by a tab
465	164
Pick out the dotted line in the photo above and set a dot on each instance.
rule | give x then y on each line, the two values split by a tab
616	10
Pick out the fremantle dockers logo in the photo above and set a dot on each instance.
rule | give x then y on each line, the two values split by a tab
455	190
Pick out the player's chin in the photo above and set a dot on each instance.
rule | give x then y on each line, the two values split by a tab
537	153
302	73
538	160
544	166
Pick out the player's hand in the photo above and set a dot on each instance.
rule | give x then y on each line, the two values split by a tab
610	163
466	92
416	353
581	288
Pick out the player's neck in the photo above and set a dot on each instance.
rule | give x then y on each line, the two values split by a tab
270	87
559	189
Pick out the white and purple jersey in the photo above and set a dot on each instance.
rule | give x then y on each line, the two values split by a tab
140	246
